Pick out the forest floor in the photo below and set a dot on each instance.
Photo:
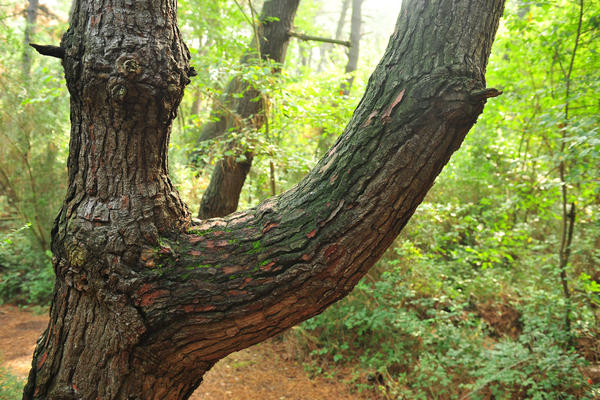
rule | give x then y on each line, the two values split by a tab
264	371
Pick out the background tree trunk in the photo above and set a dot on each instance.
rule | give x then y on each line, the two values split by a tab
31	14
239	113
325	141
146	301
326	48
354	50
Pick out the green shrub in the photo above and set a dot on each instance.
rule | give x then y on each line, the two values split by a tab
421	332
11	387
26	275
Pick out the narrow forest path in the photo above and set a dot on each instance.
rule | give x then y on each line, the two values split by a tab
260	372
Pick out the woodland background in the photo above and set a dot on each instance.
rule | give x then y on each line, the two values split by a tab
491	291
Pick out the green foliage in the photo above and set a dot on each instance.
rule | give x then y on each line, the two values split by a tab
428	339
26	275
33	131
34	137
304	110
11	387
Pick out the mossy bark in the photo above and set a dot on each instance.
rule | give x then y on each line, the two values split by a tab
147	299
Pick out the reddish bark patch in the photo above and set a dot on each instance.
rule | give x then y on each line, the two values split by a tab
50	327
191	308
165	250
270	226
312	234
195	238
211	244
42	360
195	253
268	266
232	331
145	289
306	257
250	320
95	20
147	258
124	202
332	150
245	283
236	292
149	298
369	118
330	250
388	112
232	270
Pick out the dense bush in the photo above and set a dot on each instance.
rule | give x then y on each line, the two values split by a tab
423	336
26	275
11	387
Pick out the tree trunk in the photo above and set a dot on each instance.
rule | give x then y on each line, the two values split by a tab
325	141
147	300
239	113
31	14
353	52
340	25
326	48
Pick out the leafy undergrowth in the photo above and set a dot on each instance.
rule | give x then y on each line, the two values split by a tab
11	387
26	275
413	333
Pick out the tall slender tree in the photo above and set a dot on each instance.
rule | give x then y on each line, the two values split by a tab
326	48
31	14
146	299
354	50
242	108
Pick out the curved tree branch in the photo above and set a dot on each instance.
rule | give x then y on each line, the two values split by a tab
256	273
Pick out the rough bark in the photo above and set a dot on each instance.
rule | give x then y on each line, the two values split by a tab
147	300
126	67
239	113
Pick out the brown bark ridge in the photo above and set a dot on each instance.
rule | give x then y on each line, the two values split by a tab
238	113
147	299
